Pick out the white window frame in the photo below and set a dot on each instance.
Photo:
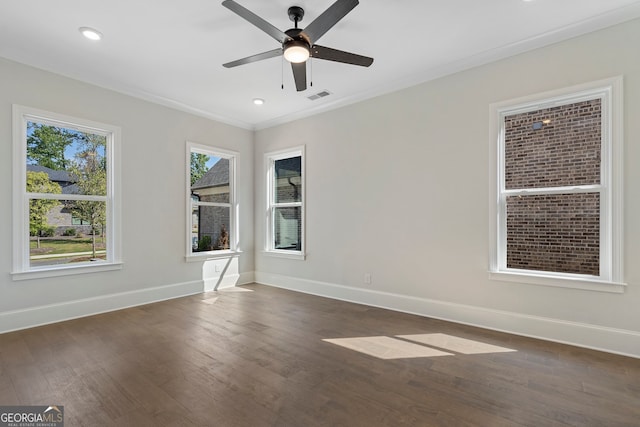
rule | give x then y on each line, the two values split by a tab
21	268
234	231
610	188
269	161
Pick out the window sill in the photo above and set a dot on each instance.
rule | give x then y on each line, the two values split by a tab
204	256
286	254
559	281
66	271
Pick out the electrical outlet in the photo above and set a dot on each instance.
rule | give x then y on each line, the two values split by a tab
367	278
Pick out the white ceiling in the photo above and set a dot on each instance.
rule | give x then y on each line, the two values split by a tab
171	52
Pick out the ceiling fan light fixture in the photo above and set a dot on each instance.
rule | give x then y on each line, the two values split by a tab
296	51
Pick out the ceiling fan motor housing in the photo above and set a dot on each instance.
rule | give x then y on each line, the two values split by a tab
297	49
296	34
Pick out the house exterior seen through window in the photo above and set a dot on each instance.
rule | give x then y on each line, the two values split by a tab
285	219
557	205
64	191
211	202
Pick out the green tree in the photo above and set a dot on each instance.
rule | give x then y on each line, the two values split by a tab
198	166
90	174
39	182
46	145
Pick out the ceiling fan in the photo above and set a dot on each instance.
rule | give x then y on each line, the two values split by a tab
298	45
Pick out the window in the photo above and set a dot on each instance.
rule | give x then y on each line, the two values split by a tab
558	195
211	206
65	195
285	203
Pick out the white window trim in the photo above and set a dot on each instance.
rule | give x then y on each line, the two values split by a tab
269	161
611	221
234	232
21	268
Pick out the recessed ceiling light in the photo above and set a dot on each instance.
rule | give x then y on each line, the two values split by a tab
90	33
258	101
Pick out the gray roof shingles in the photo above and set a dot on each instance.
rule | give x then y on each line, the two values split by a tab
216	176
63	178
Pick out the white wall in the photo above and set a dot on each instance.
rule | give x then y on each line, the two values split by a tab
398	186
153	201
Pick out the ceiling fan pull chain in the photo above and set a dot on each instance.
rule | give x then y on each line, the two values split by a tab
311	72
282	73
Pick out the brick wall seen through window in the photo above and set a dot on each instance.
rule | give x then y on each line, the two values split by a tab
554	148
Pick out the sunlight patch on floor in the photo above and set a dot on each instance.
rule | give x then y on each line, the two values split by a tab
387	347
456	344
421	345
212	299
235	289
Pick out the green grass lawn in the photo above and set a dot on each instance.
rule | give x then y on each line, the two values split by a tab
64	246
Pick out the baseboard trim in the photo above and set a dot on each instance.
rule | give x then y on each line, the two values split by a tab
611	340
46	314
246	278
228	281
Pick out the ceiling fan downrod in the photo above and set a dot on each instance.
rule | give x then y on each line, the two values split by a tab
296	13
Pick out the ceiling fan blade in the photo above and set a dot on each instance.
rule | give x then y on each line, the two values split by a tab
300	75
253	58
328	19
256	20
329	54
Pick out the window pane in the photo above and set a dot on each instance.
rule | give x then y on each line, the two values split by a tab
288	180
195	227
210	178
66	231
558	233
554	147
65	161
287	228
210	228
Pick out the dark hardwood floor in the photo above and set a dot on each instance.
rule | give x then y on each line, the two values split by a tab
257	358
